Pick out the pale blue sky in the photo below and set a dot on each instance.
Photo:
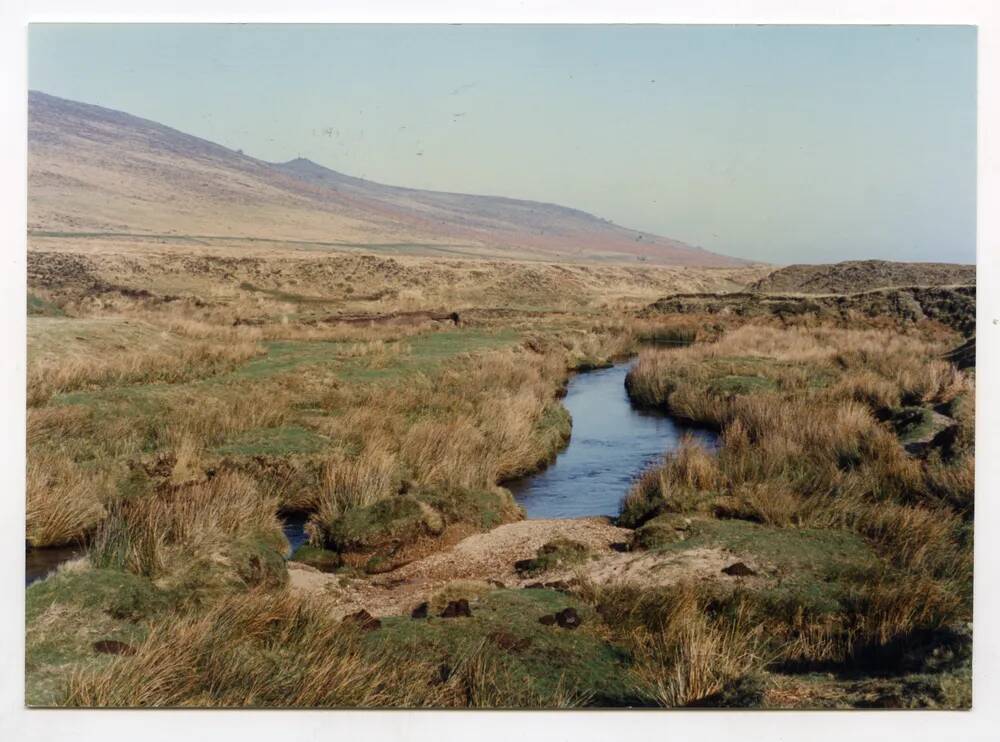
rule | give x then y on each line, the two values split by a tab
778	143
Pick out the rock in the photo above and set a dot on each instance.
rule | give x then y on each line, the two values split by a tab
568	618
534	586
456	608
524	565
548	620
113	646
420	611
364	620
739	569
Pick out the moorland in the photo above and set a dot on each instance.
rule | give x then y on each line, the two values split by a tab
273	450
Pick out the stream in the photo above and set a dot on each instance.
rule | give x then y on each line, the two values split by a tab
612	443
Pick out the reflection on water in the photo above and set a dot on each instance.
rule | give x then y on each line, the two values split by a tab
612	444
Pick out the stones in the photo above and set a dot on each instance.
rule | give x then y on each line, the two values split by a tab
364	620
113	646
420	611
567	618
457	608
738	569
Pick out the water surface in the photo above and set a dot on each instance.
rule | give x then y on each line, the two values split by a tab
612	444
39	563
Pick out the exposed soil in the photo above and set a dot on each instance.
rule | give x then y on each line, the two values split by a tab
490	557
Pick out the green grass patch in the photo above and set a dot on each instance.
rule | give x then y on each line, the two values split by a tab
531	663
282	441
912	423
557	554
426	353
39	307
394	520
812	566
69	611
733	384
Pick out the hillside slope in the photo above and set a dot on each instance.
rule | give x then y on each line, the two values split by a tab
95	170
854	276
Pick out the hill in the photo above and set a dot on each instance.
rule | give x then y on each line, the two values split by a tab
95	170
862	275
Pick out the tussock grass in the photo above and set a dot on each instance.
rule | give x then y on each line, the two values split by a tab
804	454
64	501
267	649
257	649
219	530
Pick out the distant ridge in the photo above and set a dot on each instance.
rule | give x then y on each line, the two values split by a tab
96	170
853	276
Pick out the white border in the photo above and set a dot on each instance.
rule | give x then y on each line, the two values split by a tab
18	723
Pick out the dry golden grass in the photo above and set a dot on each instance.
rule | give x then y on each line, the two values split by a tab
188	502
50	377
810	451
686	650
64	501
257	650
164	532
273	649
358	482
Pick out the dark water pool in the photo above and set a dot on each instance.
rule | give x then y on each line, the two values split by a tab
612	444
294	526
40	562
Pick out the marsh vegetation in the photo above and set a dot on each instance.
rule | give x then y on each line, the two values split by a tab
171	430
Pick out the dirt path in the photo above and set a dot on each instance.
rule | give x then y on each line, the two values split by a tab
489	557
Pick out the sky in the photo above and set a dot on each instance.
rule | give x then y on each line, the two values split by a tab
783	144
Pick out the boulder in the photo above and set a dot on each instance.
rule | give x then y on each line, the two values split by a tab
456	608
420	611
568	618
738	569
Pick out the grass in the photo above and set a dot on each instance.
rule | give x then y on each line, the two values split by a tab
285	440
558	554
167	436
871	550
275	649
533	665
40	307
67	612
911	423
